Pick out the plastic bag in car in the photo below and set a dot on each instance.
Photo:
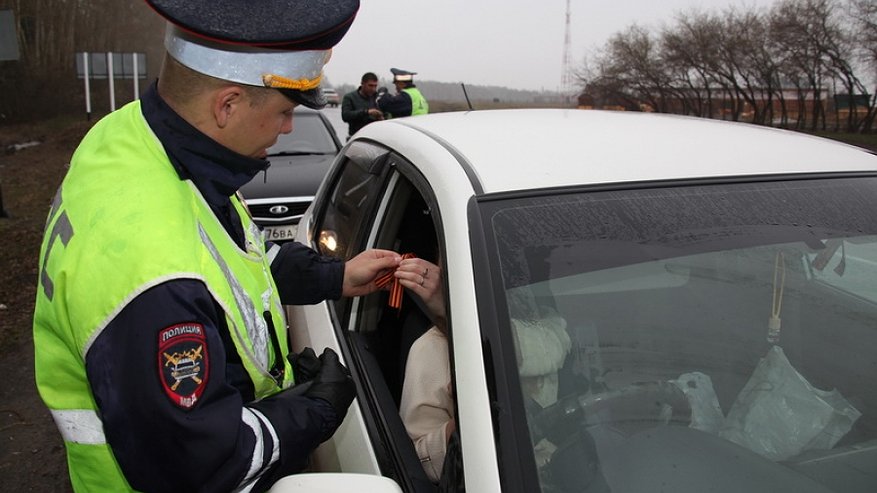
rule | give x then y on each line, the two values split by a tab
778	414
706	413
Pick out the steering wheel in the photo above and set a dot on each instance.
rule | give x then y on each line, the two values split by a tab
658	401
574	465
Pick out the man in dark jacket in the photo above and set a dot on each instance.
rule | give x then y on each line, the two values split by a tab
358	107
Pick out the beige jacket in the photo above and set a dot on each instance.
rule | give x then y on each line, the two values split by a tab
427	405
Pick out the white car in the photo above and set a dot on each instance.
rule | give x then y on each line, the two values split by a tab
716	284
333	99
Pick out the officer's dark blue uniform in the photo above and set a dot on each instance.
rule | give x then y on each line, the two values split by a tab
226	431
303	277
407	101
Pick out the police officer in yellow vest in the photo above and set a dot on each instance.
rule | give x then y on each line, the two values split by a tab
407	101
160	337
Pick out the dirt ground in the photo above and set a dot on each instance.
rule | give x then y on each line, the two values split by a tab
31	450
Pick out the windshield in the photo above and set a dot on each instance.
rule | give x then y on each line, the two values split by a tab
719	337
309	136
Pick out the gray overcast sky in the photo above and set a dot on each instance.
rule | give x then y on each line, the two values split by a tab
511	43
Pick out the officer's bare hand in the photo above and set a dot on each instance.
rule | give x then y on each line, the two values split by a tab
361	271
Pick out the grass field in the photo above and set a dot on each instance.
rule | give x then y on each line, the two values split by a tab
868	141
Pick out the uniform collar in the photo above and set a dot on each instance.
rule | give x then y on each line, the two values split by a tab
216	171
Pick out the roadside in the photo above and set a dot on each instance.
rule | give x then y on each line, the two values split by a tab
31	450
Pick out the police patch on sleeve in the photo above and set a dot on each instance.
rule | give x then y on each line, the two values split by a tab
182	363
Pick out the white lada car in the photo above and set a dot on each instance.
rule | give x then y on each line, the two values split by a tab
712	286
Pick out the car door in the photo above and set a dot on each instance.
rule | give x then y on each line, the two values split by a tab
373	199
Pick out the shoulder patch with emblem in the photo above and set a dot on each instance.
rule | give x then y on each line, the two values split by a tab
182	363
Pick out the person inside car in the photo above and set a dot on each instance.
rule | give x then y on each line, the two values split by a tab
427	405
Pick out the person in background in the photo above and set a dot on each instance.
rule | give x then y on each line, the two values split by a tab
161	345
407	101
358	107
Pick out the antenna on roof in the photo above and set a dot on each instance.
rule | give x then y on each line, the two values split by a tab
469	103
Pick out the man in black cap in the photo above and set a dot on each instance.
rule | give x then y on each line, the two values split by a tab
358	107
407	101
160	336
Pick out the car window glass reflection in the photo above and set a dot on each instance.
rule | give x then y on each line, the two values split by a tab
650	324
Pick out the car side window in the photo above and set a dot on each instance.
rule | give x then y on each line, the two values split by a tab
408	222
345	217
348	209
385	203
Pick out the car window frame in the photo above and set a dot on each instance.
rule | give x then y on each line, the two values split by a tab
351	317
518	471
351	155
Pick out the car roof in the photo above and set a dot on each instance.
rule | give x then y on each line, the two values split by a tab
540	148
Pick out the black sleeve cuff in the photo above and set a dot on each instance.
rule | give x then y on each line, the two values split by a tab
304	277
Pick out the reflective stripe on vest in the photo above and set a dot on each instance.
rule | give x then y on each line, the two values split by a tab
109	206
80	426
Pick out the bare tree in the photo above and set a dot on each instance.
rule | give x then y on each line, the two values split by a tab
739	62
690	50
748	59
798	27
863	14
50	32
749	50
634	60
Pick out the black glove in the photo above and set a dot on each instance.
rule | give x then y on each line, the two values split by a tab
305	365
333	384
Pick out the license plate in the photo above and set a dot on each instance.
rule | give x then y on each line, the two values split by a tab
277	233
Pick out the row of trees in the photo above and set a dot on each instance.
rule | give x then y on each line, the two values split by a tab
43	81
807	64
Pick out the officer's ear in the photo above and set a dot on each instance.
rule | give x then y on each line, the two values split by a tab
226	102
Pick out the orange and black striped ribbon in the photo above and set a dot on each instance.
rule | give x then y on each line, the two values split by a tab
395	300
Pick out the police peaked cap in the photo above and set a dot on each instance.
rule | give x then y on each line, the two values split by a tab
281	44
400	75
